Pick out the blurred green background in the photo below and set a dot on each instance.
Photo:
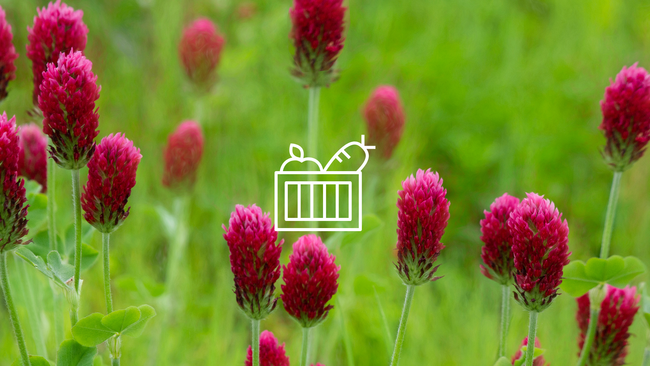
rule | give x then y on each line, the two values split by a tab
500	95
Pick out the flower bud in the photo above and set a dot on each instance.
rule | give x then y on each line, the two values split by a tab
183	155
7	55
32	161
200	50
497	251
384	116
271	353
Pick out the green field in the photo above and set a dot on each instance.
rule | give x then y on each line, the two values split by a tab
500	95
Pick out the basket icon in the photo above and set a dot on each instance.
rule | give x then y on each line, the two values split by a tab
332	199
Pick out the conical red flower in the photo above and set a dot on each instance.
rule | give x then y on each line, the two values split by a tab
271	353
626	117
310	281
68	94
421	222
384	116
200	50
497	251
32	161
7	55
111	176
540	251
254	259
617	312
538	361
183	155
13	207
317	35
58	28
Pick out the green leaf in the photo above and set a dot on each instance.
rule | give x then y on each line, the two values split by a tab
58	272
136	329
633	267
503	362
32	188
90	331
617	271
40	244
63	271
72	353
120	320
34	360
89	256
366	286
575	281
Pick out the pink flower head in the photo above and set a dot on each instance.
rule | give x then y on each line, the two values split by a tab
317	35
385	119
200	50
68	94
310	281
616	316
32	161
271	353
626	117
13	208
57	29
538	361
421	222
183	155
111	176
7	55
540	251
497	251
254	259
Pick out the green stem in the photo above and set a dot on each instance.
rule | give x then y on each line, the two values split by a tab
256	342
532	332
107	273
589	339
76	203
505	318
611	212
304	354
115	362
312	123
13	315
410	289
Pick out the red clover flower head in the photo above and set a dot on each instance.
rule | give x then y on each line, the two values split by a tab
271	353
626	117
200	50
310	281
254	259
32	161
68	94
421	222
111	176
616	316
7	55
317	35
183	155
540	251
13	208
58	28
384	116
538	361
497	251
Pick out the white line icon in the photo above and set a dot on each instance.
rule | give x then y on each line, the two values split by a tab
320	195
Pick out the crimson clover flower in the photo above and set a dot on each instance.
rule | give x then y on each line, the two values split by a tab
200	50
111	176
626	117
13	208
7	55
183	155
68	94
384	116
32	160
310	281
540	251
538	361
317	35
58	28
271	353
497	251
421	222
610	346
254	259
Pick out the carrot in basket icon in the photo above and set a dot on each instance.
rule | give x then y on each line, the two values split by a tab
330	196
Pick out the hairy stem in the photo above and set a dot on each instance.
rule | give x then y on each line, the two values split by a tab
256	342
13	315
107	273
532	332
312	122
611	212
304	354
589	339
76	203
505	318
399	342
